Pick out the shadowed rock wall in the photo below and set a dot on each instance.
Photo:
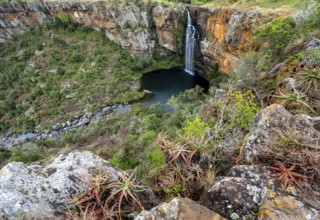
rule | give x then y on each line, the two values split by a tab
224	33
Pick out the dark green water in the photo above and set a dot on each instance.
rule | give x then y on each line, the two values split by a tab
165	83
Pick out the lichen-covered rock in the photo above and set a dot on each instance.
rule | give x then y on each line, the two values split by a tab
271	123
238	194
179	209
38	191
288	207
249	191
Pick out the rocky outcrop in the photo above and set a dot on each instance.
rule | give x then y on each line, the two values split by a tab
272	124
248	191
179	209
286	207
170	28
228	33
238	194
128	26
223	33
28	192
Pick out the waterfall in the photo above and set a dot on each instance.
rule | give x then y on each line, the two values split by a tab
190	42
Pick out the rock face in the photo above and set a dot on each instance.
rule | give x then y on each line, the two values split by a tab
179	209
35	191
287	207
227	33
169	22
238	194
248	192
271	123
223	34
128	26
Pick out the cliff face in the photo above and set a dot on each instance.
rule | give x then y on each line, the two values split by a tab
128	26
228	33
224	33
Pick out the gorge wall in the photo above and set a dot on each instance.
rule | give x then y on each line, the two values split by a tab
224	33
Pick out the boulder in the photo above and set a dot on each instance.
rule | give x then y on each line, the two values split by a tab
288	207
179	209
238	194
44	191
270	124
248	192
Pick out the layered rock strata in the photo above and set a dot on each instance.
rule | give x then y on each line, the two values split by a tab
223	33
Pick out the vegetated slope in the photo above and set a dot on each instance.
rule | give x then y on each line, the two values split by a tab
52	74
181	153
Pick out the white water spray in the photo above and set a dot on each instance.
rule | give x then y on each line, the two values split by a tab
190	43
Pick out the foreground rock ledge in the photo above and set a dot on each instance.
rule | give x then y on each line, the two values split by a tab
29	192
179	209
271	123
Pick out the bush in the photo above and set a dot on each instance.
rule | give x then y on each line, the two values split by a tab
246	69
196	127
156	158
26	154
246	108
278	33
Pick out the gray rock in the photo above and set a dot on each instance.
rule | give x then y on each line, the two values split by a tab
71	95
220	94
240	193
287	207
179	208
268	126
53	71
248	191
43	191
38	52
29	112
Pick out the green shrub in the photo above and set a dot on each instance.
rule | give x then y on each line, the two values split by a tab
278	33
64	18
124	163
156	158
246	108
27	153
26	54
196	127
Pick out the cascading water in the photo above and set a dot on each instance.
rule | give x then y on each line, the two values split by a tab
190	42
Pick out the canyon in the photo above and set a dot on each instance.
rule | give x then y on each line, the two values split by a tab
223	33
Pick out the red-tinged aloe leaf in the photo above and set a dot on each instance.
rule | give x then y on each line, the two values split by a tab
134	197
119	205
274	168
291	168
85	199
298	175
298	184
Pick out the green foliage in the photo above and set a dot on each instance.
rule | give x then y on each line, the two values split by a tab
28	153
124	163
5	155
79	61
156	158
176	189
64	20
314	21
179	32
246	108
196	127
278	33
